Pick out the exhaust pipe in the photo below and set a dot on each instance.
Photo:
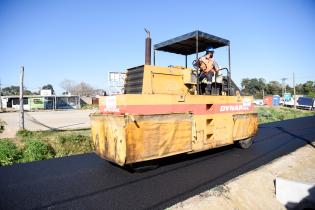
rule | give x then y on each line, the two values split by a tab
147	48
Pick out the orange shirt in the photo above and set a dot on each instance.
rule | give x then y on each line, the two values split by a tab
211	64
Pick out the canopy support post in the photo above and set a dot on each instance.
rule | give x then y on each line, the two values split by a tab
153	57
186	61
229	72
197	50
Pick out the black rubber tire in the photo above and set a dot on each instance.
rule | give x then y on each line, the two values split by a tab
245	143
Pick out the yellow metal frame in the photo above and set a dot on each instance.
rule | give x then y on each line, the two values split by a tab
167	118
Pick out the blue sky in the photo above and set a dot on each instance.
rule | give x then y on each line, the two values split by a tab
84	40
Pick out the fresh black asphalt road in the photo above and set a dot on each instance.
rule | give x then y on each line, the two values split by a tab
88	182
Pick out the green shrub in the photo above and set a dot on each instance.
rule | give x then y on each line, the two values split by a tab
271	114
25	133
73	144
73	138
89	106
9	153
36	150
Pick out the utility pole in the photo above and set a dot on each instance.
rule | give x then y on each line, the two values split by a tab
294	91
0	97
21	99
263	93
283	86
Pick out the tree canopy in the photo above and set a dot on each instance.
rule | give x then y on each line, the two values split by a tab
15	90
258	86
82	88
49	87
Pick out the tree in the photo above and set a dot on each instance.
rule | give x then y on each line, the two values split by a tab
14	91
49	87
68	85
28	92
299	89
309	88
11	90
274	88
253	87
289	89
256	86
82	89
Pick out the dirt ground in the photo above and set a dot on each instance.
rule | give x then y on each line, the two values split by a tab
45	120
256	189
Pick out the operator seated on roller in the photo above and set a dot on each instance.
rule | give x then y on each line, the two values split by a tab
209	67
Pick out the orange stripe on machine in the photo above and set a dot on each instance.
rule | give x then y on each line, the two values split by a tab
199	109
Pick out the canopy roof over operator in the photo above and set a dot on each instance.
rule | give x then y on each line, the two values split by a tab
193	43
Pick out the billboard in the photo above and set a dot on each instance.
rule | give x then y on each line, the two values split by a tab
117	77
45	92
116	82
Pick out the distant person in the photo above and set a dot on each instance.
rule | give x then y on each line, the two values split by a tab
209	67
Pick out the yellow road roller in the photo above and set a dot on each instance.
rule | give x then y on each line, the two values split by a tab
165	111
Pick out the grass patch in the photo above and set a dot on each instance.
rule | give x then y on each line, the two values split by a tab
36	150
40	145
90	106
25	133
9	153
70	144
272	114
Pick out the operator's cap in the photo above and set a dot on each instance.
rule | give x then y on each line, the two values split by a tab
210	49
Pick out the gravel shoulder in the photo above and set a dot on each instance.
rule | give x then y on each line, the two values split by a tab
256	189
46	120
